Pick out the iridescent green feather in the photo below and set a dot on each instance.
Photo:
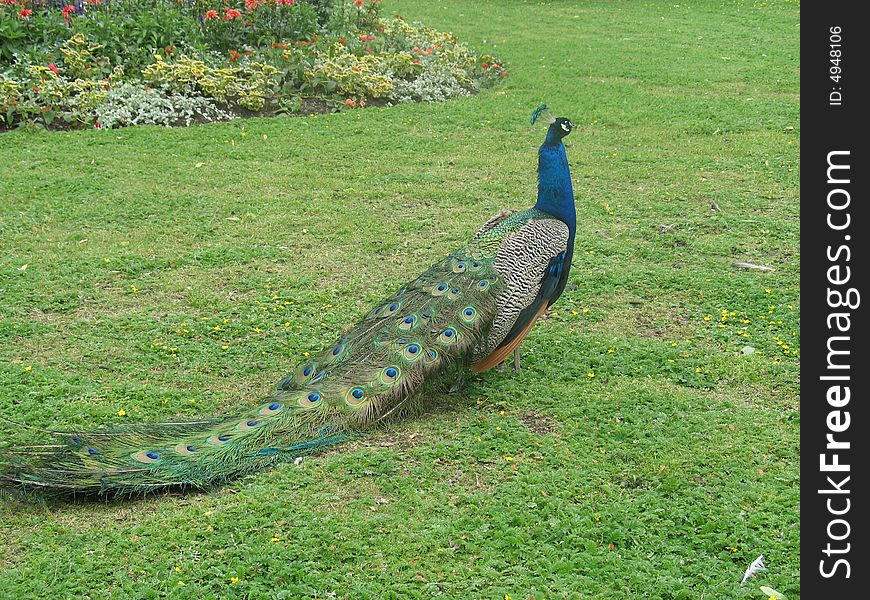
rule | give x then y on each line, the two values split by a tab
371	373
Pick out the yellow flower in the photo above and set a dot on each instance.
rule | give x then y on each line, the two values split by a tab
590	374
234	580
181	584
133	289
275	539
509	458
28	368
178	569
225	347
257	330
122	413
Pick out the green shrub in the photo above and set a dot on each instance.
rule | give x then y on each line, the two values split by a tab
248	86
258	55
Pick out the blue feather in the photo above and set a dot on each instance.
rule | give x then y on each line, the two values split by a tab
537	112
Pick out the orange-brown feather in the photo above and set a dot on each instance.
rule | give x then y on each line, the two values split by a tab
499	354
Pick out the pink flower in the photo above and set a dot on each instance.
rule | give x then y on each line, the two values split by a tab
371	37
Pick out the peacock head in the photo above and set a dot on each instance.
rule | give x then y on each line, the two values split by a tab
559	129
559	126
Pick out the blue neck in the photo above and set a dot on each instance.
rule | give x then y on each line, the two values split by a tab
555	193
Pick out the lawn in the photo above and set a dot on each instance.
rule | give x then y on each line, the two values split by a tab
649	446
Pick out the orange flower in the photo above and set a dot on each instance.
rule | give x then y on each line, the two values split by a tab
211	14
350	102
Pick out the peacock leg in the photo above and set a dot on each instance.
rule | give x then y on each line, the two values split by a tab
517	359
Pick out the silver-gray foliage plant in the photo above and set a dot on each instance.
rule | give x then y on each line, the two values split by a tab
132	103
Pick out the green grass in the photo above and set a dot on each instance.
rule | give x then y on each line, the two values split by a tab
663	476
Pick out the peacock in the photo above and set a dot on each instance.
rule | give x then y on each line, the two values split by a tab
470	310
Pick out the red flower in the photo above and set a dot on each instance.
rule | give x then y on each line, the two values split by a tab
428	50
362	103
234	55
53	68
25	13
485	65
286	2
211	14
97	124
371	37
66	10
252	4
341	41
350	102
363	38
359	3
231	13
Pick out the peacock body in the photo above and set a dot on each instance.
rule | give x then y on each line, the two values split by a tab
470	309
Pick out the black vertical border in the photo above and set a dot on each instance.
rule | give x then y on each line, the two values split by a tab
827	128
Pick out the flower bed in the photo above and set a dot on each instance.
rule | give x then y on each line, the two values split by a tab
112	63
